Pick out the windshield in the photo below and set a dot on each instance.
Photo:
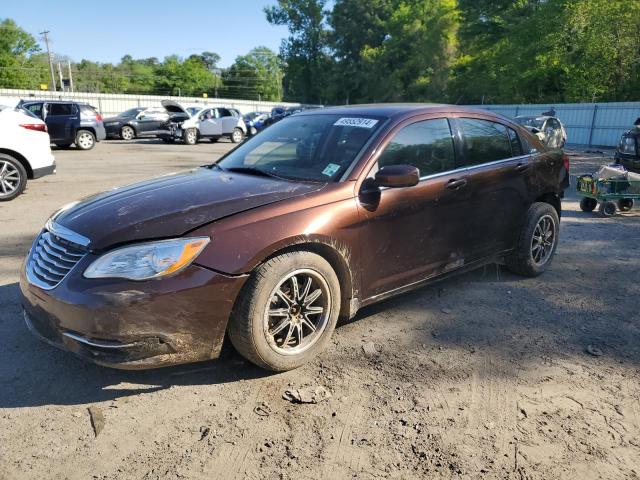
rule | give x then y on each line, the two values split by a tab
531	122
131	113
315	148
193	110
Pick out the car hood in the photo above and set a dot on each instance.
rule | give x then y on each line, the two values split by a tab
172	205
173	107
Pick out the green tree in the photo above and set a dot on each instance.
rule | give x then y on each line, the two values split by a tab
256	76
306	50
20	64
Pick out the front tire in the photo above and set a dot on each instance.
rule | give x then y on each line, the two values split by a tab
85	140
237	135
537	242
588	204
190	136
287	311
13	178
127	133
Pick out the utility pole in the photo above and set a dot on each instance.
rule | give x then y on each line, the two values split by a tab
60	77
53	76
71	76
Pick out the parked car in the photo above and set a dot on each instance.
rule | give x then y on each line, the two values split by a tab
208	122
549	130
25	151
255	121
321	214
137	122
628	152
68	122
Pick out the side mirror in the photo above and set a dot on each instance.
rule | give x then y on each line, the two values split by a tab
397	176
141	116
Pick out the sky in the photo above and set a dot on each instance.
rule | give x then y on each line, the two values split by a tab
105	31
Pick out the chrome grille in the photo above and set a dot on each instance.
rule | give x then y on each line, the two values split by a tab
51	259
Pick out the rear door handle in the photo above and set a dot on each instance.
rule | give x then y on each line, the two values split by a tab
521	167
456	183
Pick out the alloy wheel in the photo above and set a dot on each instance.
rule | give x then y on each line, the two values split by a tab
236	136
191	136
85	140
298	312
127	133
9	178
543	241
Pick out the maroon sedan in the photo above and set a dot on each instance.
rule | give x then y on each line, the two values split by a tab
320	214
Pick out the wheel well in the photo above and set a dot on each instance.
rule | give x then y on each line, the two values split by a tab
89	129
553	200
337	262
21	159
130	126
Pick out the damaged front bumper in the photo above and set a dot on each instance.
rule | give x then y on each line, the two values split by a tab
134	325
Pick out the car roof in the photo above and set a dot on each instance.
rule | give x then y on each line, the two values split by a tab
537	117
396	110
24	102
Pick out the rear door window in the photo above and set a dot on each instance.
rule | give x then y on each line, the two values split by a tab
426	145
484	141
59	109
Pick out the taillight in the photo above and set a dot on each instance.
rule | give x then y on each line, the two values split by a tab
38	127
567	165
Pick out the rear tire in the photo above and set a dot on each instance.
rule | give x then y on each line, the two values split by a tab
625	204
608	208
273	323
13	178
85	140
537	242
237	135
190	136
588	204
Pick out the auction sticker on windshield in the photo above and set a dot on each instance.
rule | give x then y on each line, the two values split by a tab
356	122
331	169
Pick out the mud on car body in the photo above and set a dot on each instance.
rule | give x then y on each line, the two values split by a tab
320	214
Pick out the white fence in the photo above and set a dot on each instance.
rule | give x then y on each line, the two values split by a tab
590	124
111	104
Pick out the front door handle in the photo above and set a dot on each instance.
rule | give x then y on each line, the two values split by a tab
521	167
456	183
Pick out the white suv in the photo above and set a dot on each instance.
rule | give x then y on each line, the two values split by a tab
25	151
206	122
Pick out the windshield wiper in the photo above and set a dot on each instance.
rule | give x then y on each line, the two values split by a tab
252	171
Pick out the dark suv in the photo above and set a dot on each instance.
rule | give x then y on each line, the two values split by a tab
68	122
317	216
628	152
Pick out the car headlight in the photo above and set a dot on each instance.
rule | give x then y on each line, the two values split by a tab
145	261
627	145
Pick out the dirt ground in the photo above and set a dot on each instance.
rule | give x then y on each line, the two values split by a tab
486	375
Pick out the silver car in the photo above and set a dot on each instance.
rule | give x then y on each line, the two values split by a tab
549	130
212	123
